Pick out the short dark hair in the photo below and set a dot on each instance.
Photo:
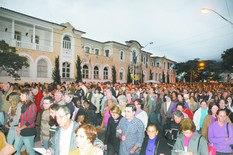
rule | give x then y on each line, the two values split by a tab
51	100
132	106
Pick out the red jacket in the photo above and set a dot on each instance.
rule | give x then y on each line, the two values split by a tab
38	98
188	112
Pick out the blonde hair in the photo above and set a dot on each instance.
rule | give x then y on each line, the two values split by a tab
14	99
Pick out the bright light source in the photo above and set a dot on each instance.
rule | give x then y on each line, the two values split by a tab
205	10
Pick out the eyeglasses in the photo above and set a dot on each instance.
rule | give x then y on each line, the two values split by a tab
61	117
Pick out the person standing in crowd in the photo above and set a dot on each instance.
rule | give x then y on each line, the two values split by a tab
141	114
230	103
189	141
26	130
165	110
180	100
85	136
223	105
64	139
147	107
181	107
68	98
153	143
45	136
171	128
199	115
193	105
220	134
13	116
122	103
90	112
58	97
130	130
111	142
37	98
106	113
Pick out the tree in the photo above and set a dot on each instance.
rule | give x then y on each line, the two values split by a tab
227	58
151	74
113	74
163	78
168	77
56	72
129	79
78	69
10	61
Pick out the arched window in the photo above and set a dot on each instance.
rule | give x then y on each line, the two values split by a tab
96	72
85	72
65	70
66	42
105	73
24	72
42	68
97	51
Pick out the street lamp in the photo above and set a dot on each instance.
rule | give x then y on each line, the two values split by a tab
206	10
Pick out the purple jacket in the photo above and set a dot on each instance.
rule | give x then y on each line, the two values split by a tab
217	136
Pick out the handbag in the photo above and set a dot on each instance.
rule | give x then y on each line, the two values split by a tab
211	150
6	149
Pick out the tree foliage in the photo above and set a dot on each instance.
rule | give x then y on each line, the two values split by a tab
113	74
227	60
129	79
78	69
56	72
191	70
151	75
10	61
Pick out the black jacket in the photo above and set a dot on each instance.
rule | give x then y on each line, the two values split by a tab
161	146
110	134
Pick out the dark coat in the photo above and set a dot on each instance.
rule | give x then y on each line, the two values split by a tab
110	134
161	146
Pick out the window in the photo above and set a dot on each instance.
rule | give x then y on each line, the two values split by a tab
156	76
106	52
87	49
17	35
36	39
152	63
144	60
65	70
97	51
157	64
42	68
122	55
134	57
66	42
96	72
164	65
85	72
24	72
105	73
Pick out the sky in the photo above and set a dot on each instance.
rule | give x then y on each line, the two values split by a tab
177	28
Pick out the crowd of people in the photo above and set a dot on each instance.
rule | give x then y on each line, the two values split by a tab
145	119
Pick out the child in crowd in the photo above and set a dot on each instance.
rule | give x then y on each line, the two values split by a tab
45	126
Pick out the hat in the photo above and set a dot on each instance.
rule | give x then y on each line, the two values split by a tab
34	91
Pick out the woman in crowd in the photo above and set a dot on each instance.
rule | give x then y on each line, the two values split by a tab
230	103
26	130
180	100
199	115
147	106
220	134
13	116
85	136
122	103
190	141
153	143
193	105
106	113
172	128
90	112
111	143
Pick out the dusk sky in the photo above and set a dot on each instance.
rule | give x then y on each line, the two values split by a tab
178	28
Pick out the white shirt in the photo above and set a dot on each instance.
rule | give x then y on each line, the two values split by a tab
65	140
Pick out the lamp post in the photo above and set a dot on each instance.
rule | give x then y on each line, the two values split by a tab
206	10
135	59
